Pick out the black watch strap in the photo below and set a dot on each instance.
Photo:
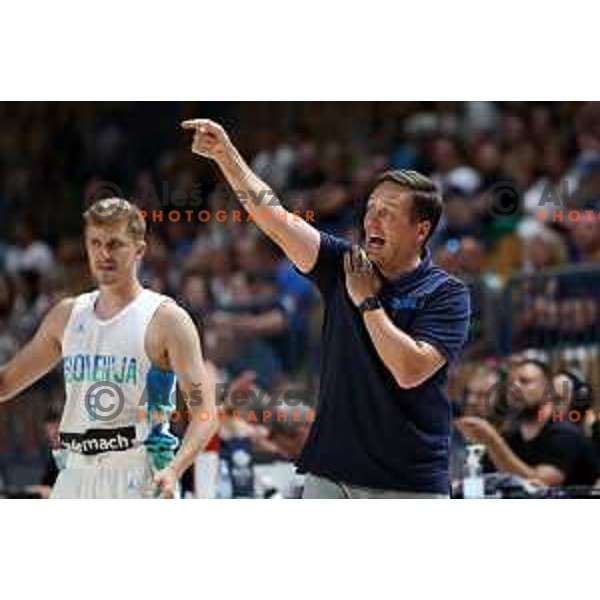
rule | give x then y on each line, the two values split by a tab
370	303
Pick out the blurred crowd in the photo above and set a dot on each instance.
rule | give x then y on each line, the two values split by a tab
535	422
534	277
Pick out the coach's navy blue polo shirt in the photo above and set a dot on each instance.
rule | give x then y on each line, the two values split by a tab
368	431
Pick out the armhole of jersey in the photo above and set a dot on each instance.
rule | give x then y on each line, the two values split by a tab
79	304
160	302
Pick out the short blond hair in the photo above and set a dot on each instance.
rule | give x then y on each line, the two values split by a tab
114	210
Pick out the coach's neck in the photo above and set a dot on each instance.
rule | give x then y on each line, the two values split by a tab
400	267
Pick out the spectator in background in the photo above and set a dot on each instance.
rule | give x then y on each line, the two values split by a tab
8	341
72	272
543	249
479	400
28	253
257	319
332	203
306	173
51	470
559	308
459	218
294	293
469	146
537	447
196	296
487	158
34	298
547	192
588	141
481	394
274	161
450	170
585	238
573	395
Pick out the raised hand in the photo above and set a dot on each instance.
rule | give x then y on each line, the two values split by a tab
210	139
362	280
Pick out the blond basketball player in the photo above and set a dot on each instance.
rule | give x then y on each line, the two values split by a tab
123	348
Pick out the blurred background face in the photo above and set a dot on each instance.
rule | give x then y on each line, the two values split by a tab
554	162
563	386
195	292
391	237
459	212
6	300
470	256
112	252
480	395
539	253
488	158
445	154
586	234
53	433
532	382
23	233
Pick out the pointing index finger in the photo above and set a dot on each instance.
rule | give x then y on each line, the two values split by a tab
192	123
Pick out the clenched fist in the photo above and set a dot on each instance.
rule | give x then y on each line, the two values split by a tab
210	139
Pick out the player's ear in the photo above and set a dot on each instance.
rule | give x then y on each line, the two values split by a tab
140	250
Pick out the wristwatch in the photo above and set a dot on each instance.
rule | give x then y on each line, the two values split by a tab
370	303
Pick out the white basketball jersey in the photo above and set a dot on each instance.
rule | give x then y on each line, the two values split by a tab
115	398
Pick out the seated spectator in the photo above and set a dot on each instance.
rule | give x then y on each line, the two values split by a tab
257	319
554	309
478	401
543	249
537	447
196	296
459	219
585	237
573	395
8	341
51	471
28	253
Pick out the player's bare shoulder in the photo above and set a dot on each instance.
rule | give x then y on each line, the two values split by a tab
57	318
169	322
170	317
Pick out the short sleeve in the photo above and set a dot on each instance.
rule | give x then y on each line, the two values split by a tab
560	450
443	319
329	265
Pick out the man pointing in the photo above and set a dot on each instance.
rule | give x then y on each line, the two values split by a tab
392	323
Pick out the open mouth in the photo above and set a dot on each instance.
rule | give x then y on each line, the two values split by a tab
375	242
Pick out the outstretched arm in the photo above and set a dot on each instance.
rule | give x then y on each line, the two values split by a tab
479	430
39	356
196	384
299	240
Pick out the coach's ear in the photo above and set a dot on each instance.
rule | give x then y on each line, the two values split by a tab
423	229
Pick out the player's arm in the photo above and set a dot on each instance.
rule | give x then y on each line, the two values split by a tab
195	381
299	240
38	356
